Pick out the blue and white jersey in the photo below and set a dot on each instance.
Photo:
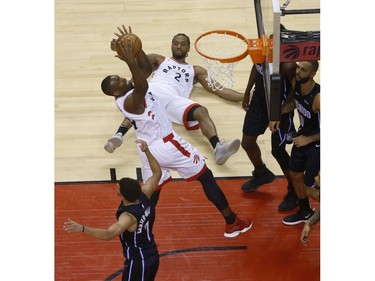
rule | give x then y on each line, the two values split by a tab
139	244
309	120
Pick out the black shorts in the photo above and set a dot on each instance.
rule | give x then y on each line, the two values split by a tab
306	159
145	270
256	120
285	132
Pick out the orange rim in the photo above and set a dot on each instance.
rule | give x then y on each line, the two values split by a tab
229	32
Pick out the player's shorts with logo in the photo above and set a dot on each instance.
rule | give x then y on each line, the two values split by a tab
174	153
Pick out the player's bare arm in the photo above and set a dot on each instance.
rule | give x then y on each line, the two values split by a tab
125	221
144	64
312	192
289	105
228	94
155	60
274	126
134	103
288	69
315	218
316	103
305	140
151	184
250	85
307	227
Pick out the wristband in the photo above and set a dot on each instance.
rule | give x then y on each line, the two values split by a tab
83	228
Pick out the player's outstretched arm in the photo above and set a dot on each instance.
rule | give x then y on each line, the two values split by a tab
134	103
155	60
123	223
144	64
225	93
151	184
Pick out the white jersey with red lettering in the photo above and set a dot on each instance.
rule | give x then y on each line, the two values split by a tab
169	149
179	75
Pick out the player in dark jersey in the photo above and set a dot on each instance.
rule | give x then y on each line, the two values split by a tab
255	124
305	154
282	132
135	218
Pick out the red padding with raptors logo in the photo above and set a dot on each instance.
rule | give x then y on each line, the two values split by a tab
300	51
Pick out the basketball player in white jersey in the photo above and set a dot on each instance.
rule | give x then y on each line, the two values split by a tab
175	79
147	114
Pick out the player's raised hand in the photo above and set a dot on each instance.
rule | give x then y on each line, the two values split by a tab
123	32
125	51
142	145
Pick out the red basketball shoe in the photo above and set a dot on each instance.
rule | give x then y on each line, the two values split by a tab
239	226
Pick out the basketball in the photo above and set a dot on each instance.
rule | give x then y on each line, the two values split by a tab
132	38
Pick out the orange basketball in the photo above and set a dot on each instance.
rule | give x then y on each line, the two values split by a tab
134	39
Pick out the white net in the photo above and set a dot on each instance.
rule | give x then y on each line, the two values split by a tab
219	47
220	75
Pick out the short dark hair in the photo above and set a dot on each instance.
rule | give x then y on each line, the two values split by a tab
314	64
130	189
106	86
182	34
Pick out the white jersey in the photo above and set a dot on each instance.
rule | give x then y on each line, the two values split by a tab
179	75
153	123
176	107
169	149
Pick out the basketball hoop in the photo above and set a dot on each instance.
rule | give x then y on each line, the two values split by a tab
221	50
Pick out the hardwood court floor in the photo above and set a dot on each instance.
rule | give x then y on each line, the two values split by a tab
189	233
85	118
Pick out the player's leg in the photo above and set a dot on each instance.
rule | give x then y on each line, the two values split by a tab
145	269
191	165
255	124
278	143
222	150
151	267
234	224
146	169
133	270
305	211
304	166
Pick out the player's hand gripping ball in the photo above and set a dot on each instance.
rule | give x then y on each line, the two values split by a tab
134	39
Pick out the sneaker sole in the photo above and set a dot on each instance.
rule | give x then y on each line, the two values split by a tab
116	141
293	223
233	148
236	233
109	148
300	221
